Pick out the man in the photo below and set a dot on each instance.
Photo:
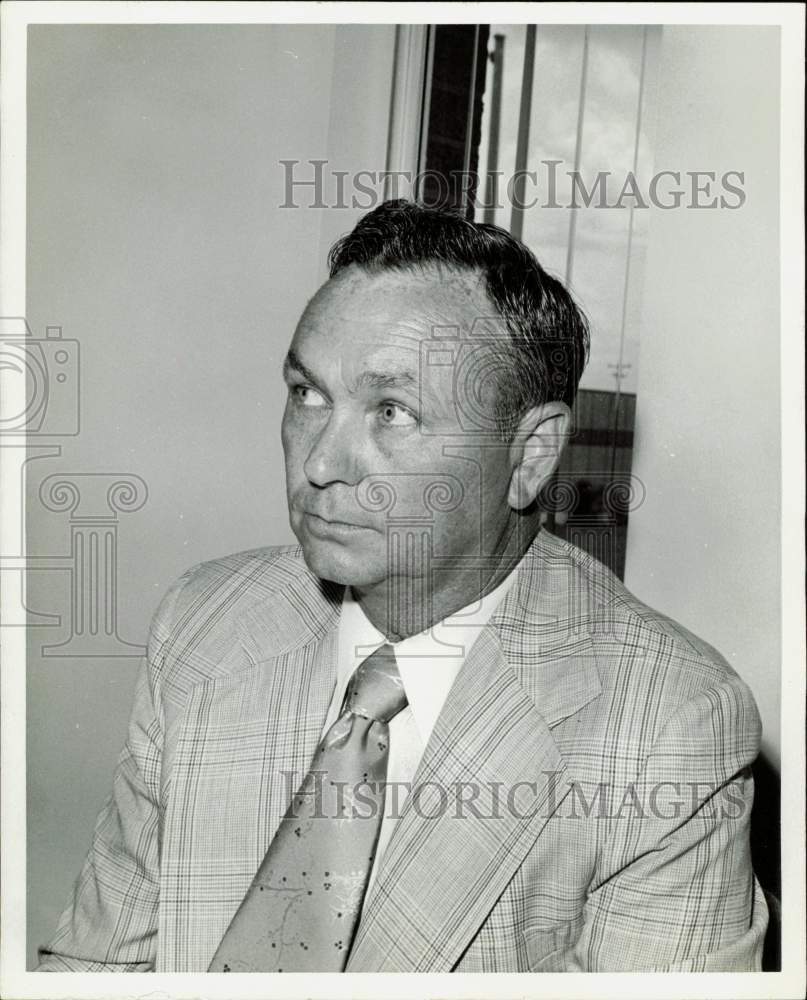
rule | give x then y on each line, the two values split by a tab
433	737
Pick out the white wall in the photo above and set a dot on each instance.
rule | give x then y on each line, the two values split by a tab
155	239
704	547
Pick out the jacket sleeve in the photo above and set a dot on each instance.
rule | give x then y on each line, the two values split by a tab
110	924
675	890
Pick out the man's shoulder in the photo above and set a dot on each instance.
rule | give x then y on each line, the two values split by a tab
214	615
646	678
263	563
632	642
237	580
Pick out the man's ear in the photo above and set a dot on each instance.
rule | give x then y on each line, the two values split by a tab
535	451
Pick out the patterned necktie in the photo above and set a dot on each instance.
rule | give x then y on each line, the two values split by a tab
301	910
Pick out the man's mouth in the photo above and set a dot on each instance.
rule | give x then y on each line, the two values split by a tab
319	525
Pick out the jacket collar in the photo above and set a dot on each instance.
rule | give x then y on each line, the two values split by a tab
294	608
542	626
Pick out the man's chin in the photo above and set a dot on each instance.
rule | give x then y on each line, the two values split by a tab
330	561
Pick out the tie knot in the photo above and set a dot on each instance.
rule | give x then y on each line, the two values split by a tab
376	690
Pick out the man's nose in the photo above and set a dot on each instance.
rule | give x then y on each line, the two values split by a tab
334	454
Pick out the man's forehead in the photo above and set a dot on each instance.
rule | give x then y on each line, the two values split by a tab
414	303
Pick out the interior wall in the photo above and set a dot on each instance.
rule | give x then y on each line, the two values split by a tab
157	241
705	545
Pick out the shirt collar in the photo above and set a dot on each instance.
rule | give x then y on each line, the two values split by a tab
429	661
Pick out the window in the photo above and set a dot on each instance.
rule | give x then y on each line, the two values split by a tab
543	130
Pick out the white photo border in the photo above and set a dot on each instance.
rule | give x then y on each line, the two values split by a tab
14	980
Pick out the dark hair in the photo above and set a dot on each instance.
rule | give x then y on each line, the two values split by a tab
549	335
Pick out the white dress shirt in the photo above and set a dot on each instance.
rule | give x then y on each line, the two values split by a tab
428	664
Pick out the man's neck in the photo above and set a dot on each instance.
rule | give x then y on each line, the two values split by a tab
404	606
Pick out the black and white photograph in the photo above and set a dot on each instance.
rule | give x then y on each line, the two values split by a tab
403	500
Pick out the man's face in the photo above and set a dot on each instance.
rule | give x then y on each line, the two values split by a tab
379	465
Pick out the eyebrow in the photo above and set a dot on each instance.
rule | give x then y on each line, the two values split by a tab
368	379
385	380
292	363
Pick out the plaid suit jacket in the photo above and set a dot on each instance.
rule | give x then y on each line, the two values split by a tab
583	804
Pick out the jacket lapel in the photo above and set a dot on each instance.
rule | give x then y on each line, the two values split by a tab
291	645
490	779
245	741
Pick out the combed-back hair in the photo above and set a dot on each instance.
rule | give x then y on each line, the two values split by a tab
549	335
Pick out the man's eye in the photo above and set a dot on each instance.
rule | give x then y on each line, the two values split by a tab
306	396
394	415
